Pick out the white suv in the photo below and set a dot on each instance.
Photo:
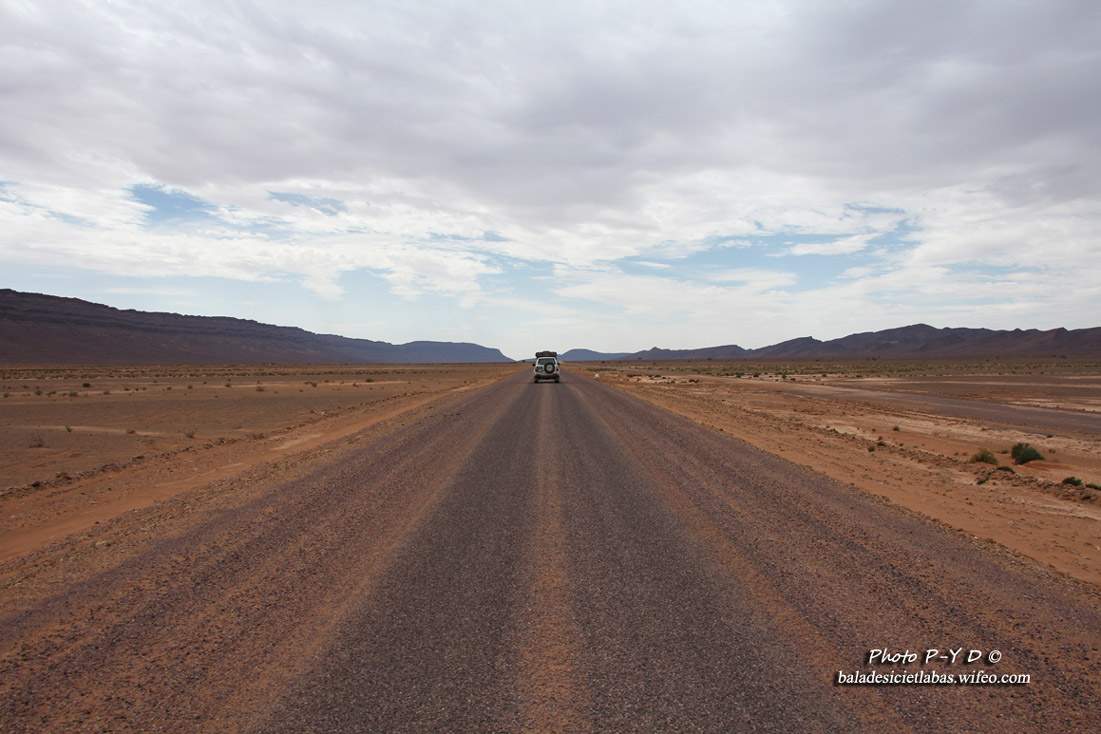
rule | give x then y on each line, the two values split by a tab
546	366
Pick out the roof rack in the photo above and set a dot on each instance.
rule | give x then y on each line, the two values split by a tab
546	354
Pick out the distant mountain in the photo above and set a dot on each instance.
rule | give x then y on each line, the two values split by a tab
1034	342
731	351
41	329
588	355
919	340
791	348
728	352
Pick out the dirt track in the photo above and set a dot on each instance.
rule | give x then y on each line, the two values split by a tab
532	557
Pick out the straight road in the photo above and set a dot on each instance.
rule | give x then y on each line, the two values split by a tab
551	557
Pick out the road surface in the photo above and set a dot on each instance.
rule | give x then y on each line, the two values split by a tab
551	557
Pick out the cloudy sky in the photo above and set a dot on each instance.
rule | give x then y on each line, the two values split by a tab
611	175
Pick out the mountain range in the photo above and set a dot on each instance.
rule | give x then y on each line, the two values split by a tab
919	340
41	329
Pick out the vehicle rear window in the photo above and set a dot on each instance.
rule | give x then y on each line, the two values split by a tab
546	360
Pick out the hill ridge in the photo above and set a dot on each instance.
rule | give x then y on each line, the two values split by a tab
915	340
42	329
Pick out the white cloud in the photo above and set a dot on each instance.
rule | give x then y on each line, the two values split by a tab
466	142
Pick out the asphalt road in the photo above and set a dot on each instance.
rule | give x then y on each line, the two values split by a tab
551	557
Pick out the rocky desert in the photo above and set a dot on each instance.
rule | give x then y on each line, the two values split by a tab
83	445
697	544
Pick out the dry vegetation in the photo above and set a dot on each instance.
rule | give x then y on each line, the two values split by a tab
909	431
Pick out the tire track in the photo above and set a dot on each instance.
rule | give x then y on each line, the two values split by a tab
670	642
429	648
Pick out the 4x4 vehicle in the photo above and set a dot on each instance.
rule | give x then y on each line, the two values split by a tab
546	366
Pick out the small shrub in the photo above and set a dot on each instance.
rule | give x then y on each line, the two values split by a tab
1006	468
896	428
1093	486
1023	453
85	384
985	456
1073	481
871	447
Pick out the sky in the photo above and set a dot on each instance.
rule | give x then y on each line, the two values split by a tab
606	175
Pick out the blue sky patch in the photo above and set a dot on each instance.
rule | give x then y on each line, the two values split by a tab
171	205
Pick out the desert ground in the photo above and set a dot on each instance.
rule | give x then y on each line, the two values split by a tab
84	445
651	546
907	431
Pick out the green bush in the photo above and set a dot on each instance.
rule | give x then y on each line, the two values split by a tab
1073	481
985	456
1006	468
1023	453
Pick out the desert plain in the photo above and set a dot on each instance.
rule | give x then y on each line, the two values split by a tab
134	501
83	445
